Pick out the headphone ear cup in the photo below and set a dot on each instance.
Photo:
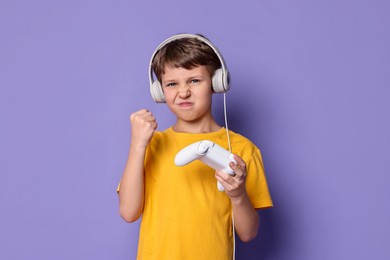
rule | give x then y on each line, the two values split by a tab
221	82
156	92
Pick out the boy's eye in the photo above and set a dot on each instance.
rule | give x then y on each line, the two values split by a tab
195	80
170	84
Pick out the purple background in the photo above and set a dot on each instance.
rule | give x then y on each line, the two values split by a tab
310	88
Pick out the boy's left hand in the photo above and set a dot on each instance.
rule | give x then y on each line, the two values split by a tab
234	184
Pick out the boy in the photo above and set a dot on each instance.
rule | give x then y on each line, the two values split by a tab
184	216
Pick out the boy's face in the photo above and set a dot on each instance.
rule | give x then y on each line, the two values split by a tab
188	92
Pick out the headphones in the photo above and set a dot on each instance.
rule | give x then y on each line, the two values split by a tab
220	80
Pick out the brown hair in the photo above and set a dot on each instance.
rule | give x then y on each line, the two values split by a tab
185	53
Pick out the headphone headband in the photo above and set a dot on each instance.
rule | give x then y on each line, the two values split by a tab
220	80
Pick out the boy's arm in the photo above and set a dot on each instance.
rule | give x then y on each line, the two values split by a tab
246	219
131	192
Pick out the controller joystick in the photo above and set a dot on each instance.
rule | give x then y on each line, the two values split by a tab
209	153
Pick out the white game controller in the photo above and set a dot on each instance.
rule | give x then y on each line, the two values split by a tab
209	153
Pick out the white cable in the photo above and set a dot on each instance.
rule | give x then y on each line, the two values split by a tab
230	150
234	238
226	123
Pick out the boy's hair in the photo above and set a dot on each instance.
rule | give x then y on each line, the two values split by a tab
185	53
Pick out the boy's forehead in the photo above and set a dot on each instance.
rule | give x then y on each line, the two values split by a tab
170	67
171	72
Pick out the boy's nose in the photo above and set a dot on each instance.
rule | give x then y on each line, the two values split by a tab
184	91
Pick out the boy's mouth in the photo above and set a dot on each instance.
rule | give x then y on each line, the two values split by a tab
185	104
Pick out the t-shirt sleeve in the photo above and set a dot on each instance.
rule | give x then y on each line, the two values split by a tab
256	182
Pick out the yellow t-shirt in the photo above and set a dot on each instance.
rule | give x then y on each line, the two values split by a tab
185	216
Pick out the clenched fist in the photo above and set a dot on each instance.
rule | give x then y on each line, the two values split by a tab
143	125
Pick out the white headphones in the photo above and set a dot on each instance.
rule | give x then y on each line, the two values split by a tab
220	79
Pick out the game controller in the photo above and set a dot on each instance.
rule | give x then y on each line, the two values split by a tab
209	153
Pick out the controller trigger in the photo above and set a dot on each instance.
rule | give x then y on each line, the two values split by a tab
202	148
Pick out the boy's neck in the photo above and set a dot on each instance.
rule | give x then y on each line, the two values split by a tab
196	127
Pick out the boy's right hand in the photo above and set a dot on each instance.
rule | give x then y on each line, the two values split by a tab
143	125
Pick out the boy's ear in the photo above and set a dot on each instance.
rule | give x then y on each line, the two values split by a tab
157	92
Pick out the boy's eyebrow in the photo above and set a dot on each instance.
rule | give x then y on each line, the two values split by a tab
168	80
189	77
197	75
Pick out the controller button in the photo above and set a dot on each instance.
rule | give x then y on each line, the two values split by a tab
202	148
